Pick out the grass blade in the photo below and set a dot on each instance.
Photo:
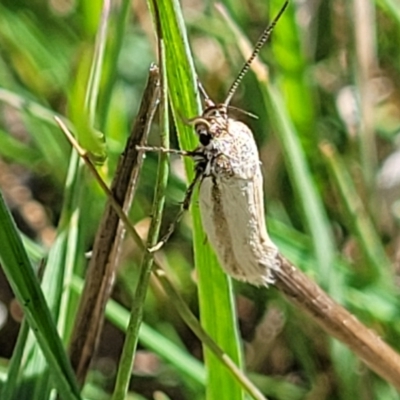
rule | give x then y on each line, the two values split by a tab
26	287
217	309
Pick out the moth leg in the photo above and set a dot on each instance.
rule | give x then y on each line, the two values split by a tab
164	150
184	207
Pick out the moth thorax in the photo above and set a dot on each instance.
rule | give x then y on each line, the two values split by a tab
215	111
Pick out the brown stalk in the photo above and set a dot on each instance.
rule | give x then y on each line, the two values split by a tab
338	322
106	248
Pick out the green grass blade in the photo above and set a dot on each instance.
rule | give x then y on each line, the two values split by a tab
26	287
315	217
84	114
292	62
310	200
63	258
217	309
27	105
10	387
13	150
359	221
61	261
110	67
392	7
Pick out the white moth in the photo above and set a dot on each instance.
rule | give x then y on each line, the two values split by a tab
231	198
231	194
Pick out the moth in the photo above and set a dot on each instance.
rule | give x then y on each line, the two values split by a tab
231	198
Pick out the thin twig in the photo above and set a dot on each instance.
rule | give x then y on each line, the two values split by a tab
132	332
101	270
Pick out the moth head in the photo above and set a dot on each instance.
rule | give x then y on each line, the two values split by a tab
205	125
214	120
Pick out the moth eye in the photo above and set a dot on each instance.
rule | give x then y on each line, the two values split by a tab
205	139
204	134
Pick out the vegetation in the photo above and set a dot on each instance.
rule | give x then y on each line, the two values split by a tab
327	131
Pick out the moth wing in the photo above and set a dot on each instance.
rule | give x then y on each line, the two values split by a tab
243	204
233	218
216	227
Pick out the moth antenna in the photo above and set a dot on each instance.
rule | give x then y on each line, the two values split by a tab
207	101
249	114
202	90
260	43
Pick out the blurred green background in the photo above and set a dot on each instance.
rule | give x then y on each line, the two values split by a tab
328	135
